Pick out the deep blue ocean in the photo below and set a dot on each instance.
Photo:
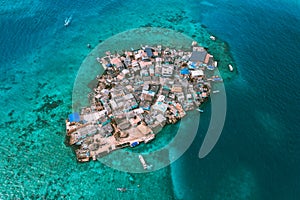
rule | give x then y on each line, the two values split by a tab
258	153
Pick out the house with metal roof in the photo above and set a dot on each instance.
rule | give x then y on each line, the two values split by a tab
198	56
167	70
149	52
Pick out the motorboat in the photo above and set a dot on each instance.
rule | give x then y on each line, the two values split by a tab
68	21
216	64
212	37
210	67
99	60
217	79
200	110
122	189
230	68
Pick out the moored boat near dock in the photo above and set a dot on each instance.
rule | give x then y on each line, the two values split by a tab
210	67
217	79
200	110
216	64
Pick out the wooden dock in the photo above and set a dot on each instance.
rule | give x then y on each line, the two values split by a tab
142	160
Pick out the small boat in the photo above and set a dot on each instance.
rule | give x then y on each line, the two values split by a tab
217	79
122	189
99	60
216	91
216	64
200	110
68	21
230	68
212	37
194	43
210	67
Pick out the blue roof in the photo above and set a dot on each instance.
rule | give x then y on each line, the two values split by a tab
149	52
210	67
192	66
184	71
146	108
134	144
74	117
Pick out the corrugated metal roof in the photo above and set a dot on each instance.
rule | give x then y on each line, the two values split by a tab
198	56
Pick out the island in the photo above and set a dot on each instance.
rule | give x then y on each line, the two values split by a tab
141	91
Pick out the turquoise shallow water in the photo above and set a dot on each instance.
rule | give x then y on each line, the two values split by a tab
257	156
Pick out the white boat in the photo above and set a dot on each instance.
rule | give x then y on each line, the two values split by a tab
212	37
122	189
194	43
230	68
216	91
216	64
200	110
68	21
99	60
